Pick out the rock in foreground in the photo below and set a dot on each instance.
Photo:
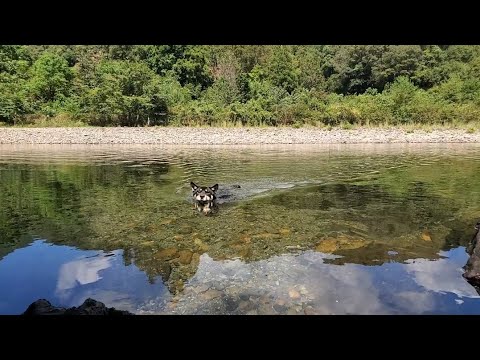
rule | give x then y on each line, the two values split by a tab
472	268
89	307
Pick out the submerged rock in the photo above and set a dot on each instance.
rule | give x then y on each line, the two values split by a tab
426	236
89	307
472	268
343	242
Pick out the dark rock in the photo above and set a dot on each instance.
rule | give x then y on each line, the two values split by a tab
230	304
89	307
281	309
43	307
244	297
472	268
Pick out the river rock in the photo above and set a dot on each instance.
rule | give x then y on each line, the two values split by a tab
166	254
89	307
310	311
43	307
343	242
185	257
426	236
472	268
294	294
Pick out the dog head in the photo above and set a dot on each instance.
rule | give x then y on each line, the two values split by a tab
477	226
204	198
203	193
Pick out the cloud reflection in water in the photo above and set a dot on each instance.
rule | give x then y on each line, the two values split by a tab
304	283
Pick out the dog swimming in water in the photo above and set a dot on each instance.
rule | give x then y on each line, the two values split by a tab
204	198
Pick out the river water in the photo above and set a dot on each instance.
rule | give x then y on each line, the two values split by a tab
306	229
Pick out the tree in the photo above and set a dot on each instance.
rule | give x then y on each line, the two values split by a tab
159	58
127	93
225	69
280	69
14	64
191	70
51	77
431	69
353	68
394	61
310	62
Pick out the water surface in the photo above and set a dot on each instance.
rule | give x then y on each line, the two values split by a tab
332	229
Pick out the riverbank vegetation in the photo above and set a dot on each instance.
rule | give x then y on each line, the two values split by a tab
194	85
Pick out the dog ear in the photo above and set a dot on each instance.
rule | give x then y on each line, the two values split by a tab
194	187
214	187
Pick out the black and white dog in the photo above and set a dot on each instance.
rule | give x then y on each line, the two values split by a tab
204	198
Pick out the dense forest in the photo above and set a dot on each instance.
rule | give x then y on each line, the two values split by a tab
256	85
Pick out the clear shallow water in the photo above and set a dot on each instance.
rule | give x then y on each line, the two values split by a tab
339	229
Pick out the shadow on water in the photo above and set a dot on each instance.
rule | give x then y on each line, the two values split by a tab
274	244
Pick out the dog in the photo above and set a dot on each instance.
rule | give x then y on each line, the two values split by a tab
204	198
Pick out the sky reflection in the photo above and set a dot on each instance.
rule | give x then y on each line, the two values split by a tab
286	284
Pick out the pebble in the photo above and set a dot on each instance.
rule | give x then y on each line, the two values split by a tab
310	311
279	308
266	309
245	306
291	311
294	294
227	136
211	294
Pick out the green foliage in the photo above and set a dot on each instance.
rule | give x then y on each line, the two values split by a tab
127	94
280	69
14	60
326	85
222	92
159	58
13	101
311	62
432	70
394	62
51	77
191	70
353	68
14	65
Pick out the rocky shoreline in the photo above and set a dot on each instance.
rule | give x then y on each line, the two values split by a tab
229	136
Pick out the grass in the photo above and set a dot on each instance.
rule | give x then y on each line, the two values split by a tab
61	120
411	127
64	120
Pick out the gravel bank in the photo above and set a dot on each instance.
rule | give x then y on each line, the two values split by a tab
228	136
